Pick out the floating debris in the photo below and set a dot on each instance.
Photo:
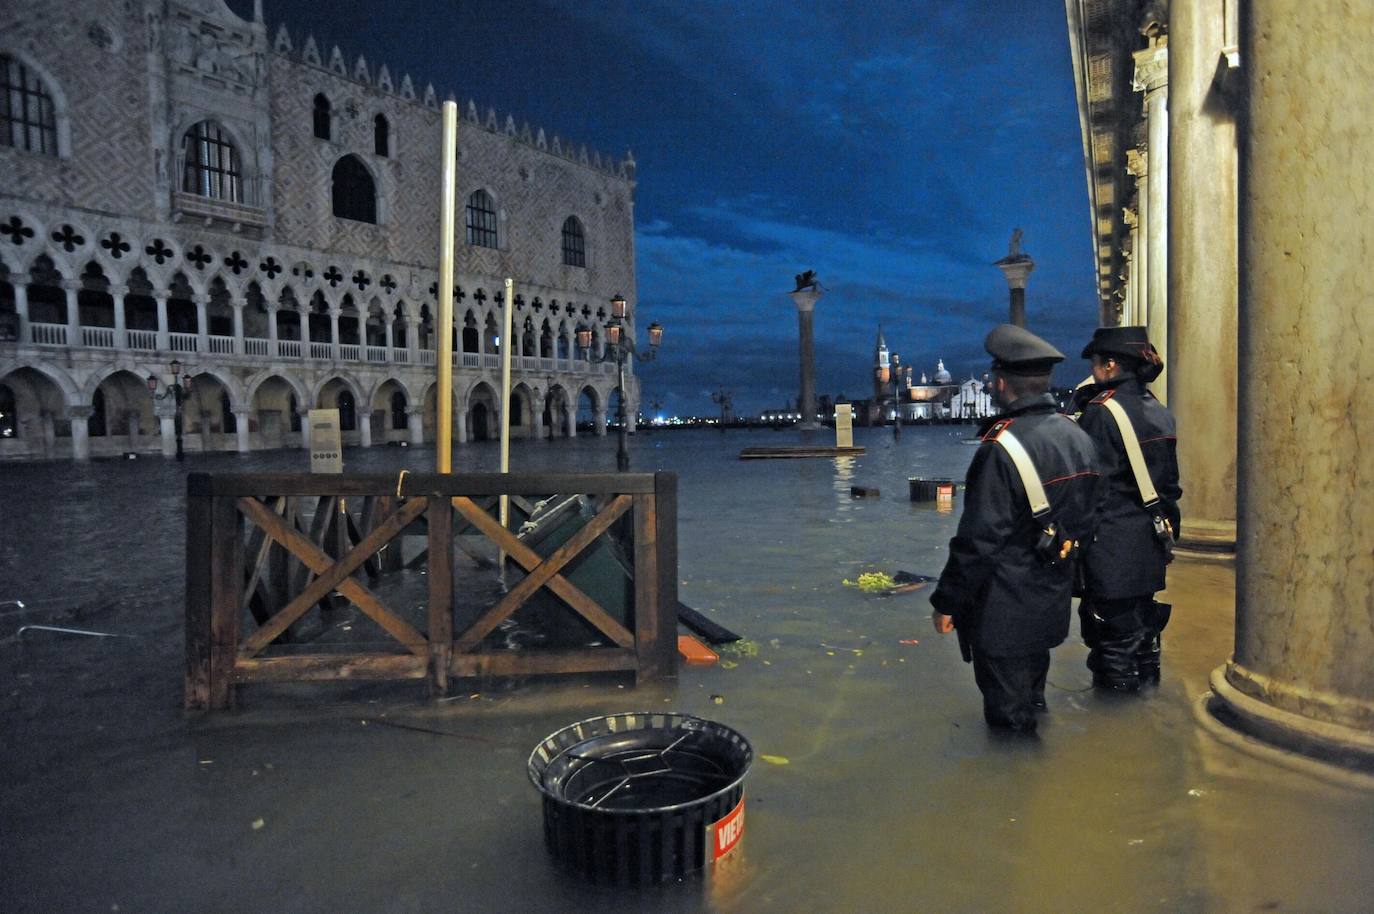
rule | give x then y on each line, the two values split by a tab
776	759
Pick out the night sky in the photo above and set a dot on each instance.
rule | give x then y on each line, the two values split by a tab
891	146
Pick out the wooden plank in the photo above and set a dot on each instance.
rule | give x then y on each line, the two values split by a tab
702	625
694	653
647	621
588	608
665	544
334	576
264	549
426	484
324	667
226	581
763	453
440	591
541	663
198	527
540	575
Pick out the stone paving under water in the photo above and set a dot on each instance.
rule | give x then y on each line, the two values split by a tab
883	792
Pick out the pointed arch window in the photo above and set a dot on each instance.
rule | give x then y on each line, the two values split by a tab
347	417
481	219
398	411
354	193
381	136
323	115
27	118
211	164
574	243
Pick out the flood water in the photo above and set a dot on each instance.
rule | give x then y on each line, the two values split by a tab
881	789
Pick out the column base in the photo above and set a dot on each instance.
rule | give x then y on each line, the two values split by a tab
1237	703
1207	540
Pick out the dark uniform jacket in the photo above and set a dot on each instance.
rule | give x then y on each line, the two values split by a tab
1005	598
1125	558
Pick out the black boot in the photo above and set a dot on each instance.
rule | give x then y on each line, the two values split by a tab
1148	654
1113	656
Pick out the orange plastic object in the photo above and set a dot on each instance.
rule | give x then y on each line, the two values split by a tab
694	652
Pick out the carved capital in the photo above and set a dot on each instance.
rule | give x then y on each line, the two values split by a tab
1138	162
1151	68
80	412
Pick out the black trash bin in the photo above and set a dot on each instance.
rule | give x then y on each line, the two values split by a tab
641	797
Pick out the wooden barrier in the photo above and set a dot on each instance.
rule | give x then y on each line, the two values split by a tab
352	541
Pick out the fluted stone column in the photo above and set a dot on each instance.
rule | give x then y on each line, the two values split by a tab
1152	78
805	300
1202	276
241	429
1131	302
1138	166
81	436
1301	673
121	335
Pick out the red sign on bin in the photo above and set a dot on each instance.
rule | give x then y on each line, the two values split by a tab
725	832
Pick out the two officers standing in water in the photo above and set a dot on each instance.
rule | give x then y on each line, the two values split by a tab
1052	509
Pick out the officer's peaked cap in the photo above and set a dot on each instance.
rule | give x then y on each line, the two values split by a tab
1015	350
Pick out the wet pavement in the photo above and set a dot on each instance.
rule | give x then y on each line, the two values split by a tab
883	790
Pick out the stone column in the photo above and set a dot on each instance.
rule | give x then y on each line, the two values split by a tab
121	335
304	413
1202	276
71	287
1133	263
364	418
570	419
537	415
386	328
238	304
415	422
1016	270
1301	674
599	421
272	330
202	303
81	438
1138	166
241	429
413	341
334	334
460	422
165	411
805	300
1152	77
163	340
21	308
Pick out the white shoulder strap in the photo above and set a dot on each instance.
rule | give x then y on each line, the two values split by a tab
1035	492
1148	495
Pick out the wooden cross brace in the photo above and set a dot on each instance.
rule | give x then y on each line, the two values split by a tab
543	572
332	575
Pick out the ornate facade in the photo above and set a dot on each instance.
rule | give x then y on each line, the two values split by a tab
180	186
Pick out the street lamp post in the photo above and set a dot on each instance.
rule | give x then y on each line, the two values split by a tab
620	348
178	390
724	399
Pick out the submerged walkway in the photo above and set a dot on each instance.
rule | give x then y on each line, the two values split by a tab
883	792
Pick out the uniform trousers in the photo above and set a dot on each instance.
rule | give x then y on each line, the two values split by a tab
1013	688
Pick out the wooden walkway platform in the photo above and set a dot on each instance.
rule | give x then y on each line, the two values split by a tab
764	453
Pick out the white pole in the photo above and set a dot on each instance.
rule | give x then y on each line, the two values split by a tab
444	419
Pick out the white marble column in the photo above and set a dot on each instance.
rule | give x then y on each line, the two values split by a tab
364	418
121	336
202	303
415	423
304	414
386	328
1301	674
272	329
1138	166
241	429
238	304
537	415
570	420
334	334
599	421
81	438
71	287
166	413
21	308
1152	78
460	424
1202	276
163	340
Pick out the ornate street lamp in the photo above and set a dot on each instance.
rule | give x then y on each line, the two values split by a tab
178	390
620	348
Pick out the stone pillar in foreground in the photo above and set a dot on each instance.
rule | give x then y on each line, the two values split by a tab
1152	78
415	424
244	440
81	439
1016	267
1202	276
1301	674
805	300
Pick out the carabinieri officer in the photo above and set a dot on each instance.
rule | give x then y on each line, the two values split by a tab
1137	511
1029	501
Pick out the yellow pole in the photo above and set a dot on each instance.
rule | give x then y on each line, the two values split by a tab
444	328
